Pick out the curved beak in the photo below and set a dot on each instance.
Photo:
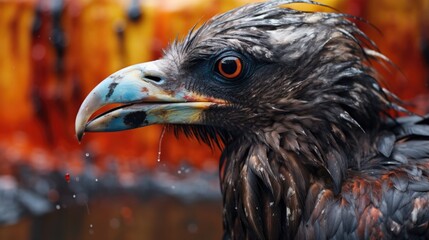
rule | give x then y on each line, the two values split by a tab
145	96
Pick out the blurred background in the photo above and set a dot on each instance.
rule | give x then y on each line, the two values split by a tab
115	185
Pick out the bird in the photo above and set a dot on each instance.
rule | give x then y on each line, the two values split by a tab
314	146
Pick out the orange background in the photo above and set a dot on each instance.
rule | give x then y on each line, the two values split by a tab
52	56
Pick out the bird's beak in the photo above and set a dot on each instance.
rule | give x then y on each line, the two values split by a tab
145	96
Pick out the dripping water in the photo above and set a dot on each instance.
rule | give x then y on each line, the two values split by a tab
160	143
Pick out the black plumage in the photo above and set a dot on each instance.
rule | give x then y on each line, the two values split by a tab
312	149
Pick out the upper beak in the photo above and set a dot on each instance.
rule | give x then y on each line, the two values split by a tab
146	97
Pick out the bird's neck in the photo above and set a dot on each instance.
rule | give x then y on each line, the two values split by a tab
266	177
261	191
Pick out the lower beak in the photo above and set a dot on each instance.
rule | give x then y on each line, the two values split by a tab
145	96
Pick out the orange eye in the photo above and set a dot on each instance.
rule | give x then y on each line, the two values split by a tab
230	67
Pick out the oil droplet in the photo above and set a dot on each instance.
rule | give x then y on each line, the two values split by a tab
67	177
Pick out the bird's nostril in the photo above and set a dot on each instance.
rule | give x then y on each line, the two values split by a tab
155	79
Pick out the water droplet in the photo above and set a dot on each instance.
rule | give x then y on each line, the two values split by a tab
77	179
96	179
91	230
67	177
86	154
179	172
58	207
271	204
173	187
74	195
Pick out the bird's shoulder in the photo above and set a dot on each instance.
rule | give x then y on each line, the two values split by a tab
387	198
369	207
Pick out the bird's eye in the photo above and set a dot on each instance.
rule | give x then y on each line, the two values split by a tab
229	67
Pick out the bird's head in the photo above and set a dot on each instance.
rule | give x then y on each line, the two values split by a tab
243	72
